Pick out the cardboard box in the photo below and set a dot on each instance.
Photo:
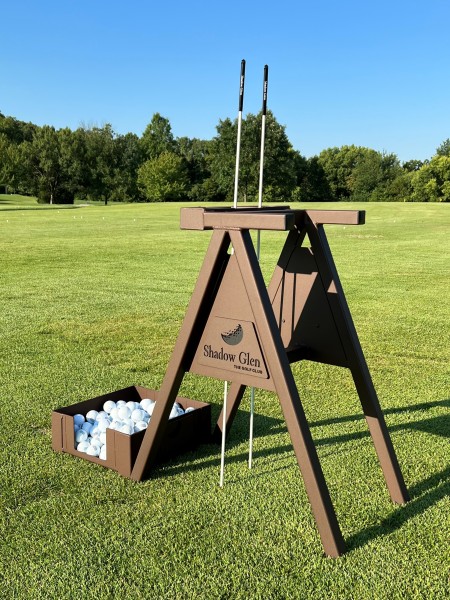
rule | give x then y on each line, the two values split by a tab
182	433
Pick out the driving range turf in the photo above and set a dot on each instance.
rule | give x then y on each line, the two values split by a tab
92	301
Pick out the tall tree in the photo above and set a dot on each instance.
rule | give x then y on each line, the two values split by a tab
17	131
432	182
10	165
163	178
444	148
127	160
98	162
279	160
312	184
157	137
373	175
47	160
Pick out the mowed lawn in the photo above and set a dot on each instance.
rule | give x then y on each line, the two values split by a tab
92	301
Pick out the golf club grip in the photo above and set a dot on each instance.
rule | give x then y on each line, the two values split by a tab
241	86
266	81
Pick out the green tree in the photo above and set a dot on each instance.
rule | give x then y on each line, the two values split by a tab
127	160
197	157
412	165
10	166
163	178
312	184
17	131
432	182
444	148
97	160
358	173
157	137
373	176
338	165
47	159
279	160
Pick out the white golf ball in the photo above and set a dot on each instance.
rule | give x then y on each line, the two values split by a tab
179	408
137	415
102	426
93	450
83	446
81	436
115	424
140	426
87	427
108	406
102	455
91	416
95	431
132	405
173	413
79	420
96	443
145	402
189	409
102	415
114	414
124	412
120	403
102	437
127	429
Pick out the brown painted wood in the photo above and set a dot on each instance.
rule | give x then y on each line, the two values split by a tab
336	217
230	303
196	315
199	218
286	389
358	366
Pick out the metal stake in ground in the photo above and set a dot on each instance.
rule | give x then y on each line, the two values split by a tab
235	200
258	237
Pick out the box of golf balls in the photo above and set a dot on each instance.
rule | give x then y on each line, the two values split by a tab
109	429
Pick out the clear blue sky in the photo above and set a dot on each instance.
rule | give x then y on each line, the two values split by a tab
375	74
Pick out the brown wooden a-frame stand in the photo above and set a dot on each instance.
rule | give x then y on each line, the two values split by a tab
237	330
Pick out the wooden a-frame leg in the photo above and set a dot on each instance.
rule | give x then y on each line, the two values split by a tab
358	366
185	346
285	386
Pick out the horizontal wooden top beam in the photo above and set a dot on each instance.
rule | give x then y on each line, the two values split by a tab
201	218
336	217
270	218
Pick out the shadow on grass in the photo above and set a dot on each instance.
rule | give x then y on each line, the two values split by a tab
423	495
439	425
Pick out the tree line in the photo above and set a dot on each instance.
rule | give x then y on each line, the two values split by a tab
96	163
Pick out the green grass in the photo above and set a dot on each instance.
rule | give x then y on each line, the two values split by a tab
19	202
92	301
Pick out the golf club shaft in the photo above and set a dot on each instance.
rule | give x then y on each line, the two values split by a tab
238	144
258	238
235	200
263	135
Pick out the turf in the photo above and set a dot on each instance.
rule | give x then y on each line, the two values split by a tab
92	301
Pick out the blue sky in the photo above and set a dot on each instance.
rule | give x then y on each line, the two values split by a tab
374	74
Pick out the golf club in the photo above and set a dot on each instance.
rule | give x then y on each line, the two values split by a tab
258	237
235	200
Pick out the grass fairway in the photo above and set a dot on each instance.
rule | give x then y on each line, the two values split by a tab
92	301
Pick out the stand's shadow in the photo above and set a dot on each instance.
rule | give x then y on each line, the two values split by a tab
423	495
